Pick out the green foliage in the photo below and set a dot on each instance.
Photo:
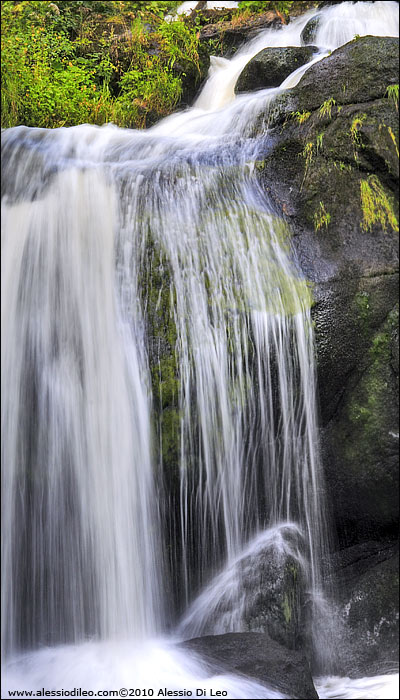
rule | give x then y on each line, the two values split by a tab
392	92
355	127
376	205
308	154
342	167
301	117
326	108
393	137
282	7
321	217
94	62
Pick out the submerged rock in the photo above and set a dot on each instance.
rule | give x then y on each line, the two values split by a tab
271	66
258	657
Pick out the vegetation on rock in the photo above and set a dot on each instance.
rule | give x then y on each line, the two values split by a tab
376	206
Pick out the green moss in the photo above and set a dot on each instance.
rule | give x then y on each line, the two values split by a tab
376	206
259	165
319	141
365	409
380	345
169	427
363	305
393	137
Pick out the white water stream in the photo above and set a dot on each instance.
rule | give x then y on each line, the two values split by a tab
86	558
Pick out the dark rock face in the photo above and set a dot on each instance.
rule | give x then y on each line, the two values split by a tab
259	658
309	32
333	170
368	584
270	67
357	72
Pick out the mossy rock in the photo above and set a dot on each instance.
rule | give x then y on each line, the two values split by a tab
361	439
331	166
357	72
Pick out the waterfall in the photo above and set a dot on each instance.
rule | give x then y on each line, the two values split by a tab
151	303
78	487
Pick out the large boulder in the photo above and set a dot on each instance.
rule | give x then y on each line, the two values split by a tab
258	657
356	73
271	66
332	169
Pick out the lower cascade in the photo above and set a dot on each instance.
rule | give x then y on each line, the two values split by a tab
161	461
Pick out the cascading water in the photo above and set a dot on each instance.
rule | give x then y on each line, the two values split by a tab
76	448
107	233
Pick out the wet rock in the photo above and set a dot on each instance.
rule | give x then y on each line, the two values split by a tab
270	67
357	72
258	657
309	33
333	171
263	591
368	580
224	37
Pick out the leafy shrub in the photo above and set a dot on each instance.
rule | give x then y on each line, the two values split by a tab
282	7
77	62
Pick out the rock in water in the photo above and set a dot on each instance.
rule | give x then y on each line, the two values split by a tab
270	67
309	32
263	590
258	657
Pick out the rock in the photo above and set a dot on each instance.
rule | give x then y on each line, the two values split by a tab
192	76
357	72
227	36
329	146
270	67
263	591
309	33
257	657
368	580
